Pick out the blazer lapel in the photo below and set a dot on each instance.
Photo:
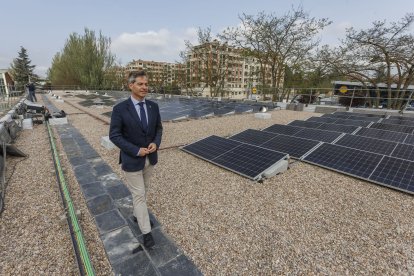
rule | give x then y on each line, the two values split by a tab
150	114
133	112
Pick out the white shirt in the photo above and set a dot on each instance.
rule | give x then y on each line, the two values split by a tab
137	107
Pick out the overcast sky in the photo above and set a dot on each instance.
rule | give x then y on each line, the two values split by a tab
156	30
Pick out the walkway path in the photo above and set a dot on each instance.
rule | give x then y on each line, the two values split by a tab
110	203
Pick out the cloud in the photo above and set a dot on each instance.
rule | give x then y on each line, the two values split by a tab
161	45
41	70
334	32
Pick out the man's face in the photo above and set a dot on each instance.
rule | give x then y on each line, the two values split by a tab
139	88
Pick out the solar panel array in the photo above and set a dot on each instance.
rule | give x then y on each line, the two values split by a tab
245	159
325	126
361	145
294	146
181	108
340	121
380	152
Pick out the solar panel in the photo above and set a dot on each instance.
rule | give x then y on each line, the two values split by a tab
342	159
338	128
307	124
317	134
404	151
249	160
321	119
367	144
294	146
382	134
409	140
398	122
334	115
254	137
244	159
398	128
401	118
283	129
369	115
361	118
211	147
395	173
352	122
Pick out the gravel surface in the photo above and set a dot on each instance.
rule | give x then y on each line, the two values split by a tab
34	240
307	220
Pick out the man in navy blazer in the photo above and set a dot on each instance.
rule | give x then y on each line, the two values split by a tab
136	130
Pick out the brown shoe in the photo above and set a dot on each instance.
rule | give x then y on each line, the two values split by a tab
148	240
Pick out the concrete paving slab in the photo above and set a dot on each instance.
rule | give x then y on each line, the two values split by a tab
93	190
109	221
136	264
100	204
179	266
118	191
119	244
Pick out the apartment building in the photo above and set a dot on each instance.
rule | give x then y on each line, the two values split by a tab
212	70
6	83
215	69
161	74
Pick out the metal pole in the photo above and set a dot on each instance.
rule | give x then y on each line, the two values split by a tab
352	98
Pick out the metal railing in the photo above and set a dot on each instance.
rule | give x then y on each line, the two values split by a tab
9	98
366	98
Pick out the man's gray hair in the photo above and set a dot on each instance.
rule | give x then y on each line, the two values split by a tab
133	75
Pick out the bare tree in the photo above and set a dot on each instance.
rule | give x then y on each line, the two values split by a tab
206	63
276	41
382	53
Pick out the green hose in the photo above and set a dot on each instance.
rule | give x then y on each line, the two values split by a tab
80	240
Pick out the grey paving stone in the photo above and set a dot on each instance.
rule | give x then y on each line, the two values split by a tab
81	170
179	266
124	205
64	135
88	152
118	191
102	169
136	264
77	160
110	180
67	141
109	221
71	152
82	141
100	204
119	244
92	190
86	179
164	249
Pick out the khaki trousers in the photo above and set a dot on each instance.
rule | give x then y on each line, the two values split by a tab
138	184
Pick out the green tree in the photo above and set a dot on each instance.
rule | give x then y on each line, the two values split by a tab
22	70
84	61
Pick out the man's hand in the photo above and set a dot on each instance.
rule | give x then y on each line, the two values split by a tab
152	147
143	151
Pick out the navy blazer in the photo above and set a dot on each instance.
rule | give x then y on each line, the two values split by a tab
127	133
